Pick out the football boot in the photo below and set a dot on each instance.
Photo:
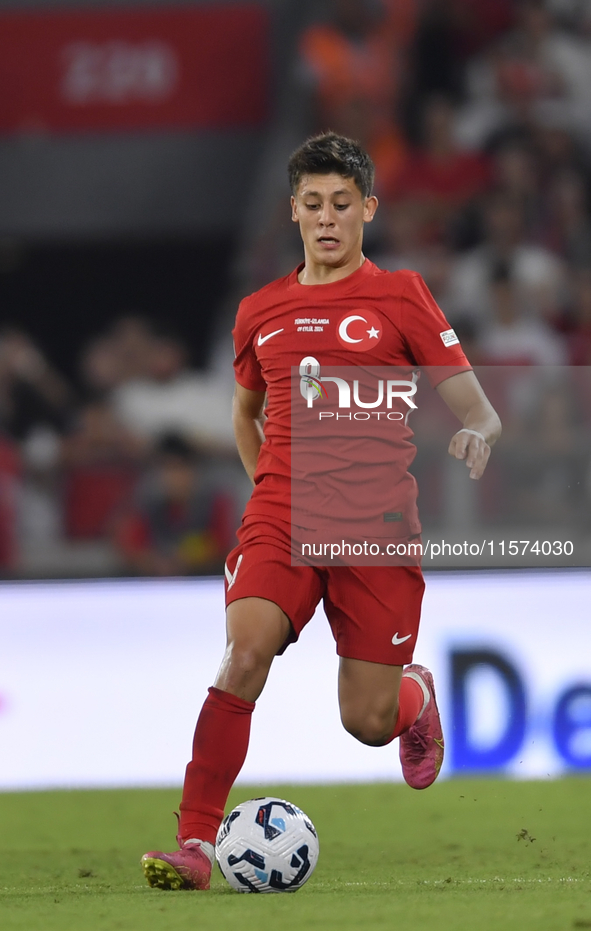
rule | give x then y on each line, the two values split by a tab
189	867
421	746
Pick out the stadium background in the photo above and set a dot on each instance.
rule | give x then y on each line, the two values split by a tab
142	193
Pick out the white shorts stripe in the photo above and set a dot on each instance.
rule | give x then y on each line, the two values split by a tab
231	577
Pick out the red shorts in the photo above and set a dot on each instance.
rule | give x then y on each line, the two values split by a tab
373	611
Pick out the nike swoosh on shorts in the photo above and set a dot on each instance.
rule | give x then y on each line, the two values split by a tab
396	639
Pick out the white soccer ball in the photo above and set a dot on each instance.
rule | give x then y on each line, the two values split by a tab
267	845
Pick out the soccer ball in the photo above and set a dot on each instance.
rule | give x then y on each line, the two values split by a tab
267	845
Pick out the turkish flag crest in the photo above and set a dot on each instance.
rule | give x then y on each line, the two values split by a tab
359	330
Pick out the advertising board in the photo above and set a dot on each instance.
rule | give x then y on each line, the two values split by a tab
101	682
108	70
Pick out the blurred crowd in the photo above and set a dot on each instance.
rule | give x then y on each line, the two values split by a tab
478	118
138	456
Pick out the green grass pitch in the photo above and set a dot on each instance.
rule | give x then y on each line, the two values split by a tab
477	855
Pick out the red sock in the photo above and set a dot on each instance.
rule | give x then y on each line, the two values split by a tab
219	750
410	702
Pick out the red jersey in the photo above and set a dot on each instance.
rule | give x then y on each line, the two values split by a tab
371	318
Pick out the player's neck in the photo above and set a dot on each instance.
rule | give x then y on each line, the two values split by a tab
315	273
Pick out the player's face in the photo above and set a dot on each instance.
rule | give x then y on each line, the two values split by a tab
331	211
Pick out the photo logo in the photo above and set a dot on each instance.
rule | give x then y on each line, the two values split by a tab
311	386
348	392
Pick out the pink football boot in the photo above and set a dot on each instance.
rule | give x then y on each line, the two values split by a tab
186	868
421	746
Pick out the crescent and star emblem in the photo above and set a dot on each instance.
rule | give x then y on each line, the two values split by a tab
373	332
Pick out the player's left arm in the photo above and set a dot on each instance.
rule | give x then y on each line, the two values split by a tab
481	429
248	419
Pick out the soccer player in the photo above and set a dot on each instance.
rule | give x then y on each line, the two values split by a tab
373	610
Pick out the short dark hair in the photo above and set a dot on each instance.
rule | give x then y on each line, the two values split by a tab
328	154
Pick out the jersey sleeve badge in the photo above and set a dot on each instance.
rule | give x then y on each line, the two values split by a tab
449	338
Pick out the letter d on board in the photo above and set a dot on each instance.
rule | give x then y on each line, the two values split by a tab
466	756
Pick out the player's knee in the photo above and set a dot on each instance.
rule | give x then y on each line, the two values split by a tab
248	661
372	728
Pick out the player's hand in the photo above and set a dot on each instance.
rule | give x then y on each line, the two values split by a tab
473	448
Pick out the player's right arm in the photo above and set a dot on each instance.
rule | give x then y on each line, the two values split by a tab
247	420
